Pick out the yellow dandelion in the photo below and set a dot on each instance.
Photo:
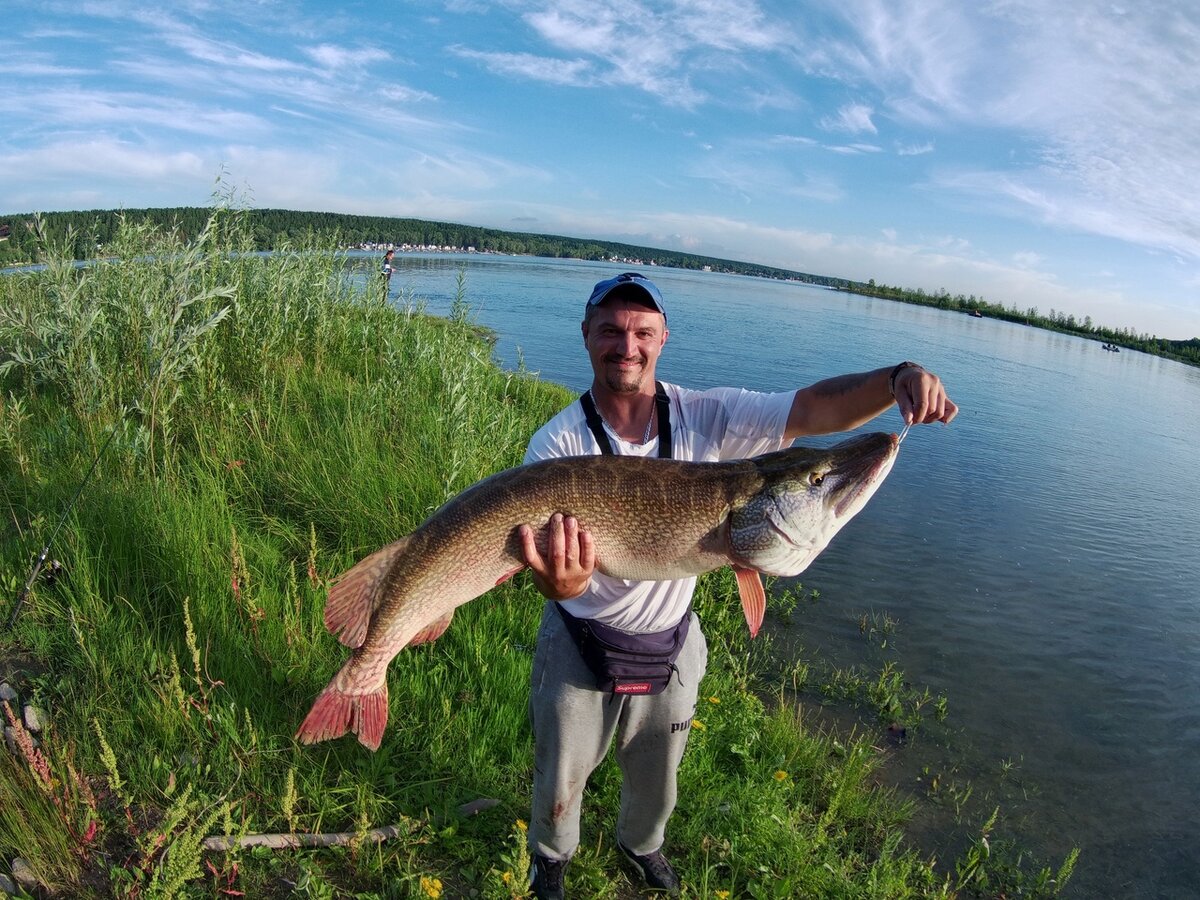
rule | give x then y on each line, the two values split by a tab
696	723
507	877
714	699
521	825
780	775
431	886
722	895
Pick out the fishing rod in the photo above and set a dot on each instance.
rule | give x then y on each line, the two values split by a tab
41	560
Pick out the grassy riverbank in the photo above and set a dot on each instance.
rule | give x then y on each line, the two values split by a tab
271	421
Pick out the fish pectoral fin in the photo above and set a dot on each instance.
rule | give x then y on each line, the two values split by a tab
507	575
354	596
432	631
754	598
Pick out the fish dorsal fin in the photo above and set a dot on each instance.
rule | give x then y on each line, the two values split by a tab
354	596
432	631
754	598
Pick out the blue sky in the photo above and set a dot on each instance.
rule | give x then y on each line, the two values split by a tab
1033	153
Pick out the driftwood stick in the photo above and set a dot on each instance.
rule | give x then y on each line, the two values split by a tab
337	839
295	841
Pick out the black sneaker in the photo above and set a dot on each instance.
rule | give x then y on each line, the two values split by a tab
546	878
654	869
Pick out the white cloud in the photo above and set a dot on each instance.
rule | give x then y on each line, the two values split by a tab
854	118
398	93
1085	207
296	113
854	149
25	68
661	52
574	72
68	110
784	140
952	244
224	55
330	56
343	104
919	54
752	170
100	163
1103	96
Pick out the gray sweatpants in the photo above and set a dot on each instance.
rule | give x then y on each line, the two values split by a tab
573	725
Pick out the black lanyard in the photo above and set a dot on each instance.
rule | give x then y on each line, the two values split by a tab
596	424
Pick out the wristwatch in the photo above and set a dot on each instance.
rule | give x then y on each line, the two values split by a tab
907	364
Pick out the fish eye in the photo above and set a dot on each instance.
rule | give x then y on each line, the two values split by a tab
815	478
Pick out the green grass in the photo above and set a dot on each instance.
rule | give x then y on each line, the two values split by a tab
272	422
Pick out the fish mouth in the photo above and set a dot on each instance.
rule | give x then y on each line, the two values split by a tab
861	464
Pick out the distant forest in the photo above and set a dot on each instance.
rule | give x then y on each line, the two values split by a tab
89	232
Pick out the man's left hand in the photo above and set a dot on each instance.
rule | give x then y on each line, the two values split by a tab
563	565
922	397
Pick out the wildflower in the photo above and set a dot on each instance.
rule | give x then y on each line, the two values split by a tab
507	877
314	577
521	825
33	756
780	775
696	723
239	574
722	895
431	886
714	699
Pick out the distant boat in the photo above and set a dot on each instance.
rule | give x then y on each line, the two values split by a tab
1113	347
976	314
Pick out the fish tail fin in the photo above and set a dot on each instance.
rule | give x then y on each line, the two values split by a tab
335	712
354	595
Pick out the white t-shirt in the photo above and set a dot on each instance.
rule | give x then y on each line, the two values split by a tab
706	426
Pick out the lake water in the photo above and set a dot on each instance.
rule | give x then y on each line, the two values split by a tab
1039	556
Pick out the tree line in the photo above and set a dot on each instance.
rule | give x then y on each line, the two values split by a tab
86	233
1181	351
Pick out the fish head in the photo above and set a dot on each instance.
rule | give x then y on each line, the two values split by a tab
806	496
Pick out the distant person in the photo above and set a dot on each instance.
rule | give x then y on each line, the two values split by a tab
624	413
386	271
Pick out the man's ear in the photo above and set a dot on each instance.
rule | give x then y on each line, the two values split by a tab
583	326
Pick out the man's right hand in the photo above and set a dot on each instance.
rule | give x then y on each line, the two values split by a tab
563	564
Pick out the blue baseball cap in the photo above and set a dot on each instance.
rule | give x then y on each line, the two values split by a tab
652	294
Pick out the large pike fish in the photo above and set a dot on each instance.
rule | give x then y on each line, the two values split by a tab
650	519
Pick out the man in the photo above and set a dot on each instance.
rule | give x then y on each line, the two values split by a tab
386	269
624	331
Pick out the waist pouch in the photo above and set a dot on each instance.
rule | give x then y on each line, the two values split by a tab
626	663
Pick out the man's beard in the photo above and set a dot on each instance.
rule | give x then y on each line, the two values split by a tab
625	381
